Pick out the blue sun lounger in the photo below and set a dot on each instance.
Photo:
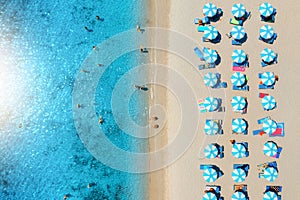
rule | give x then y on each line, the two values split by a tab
201	28
279	150
236	42
199	53
275	188
203	167
260	121
262	86
257	132
244	88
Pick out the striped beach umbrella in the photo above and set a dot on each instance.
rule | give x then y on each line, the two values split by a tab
270	148
238	32
268	78
238	56
211	127
238	103
238	195
210	55
238	175
267	55
211	104
211	32
266	9
266	32
209	196
270	174
270	195
210	175
211	151
238	10
269	126
238	150
268	102
238	79
210	79
238	125
210	9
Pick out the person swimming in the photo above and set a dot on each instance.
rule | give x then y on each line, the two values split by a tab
101	120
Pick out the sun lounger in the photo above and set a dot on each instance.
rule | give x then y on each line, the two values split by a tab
243	88
199	53
238	69
277	189
260	121
216	188
257	132
206	66
262	95
279	149
244	64
262	86
201	28
269	41
223	85
260	175
236	22
236	42
279	131
203	167
270	19
242	187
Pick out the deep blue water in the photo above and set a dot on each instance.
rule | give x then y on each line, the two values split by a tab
42	46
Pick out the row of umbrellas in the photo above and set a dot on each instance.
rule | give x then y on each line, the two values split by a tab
239	103
240	195
239	174
238	55
238	32
240	150
238	10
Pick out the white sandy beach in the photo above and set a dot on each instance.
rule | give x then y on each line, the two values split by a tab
183	179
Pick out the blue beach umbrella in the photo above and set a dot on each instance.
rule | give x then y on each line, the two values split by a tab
211	127
211	104
211	151
269	126
238	79
267	55
270	148
209	196
211	32
268	78
210	79
238	195
209	9
270	195
238	56
210	175
238	175
239	125
238	103
268	102
266	32
238	10
210	55
238	32
239	150
266	9
270	174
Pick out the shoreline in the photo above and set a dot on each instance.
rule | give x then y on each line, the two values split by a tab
157	182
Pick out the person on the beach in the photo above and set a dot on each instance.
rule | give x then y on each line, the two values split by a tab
155	126
141	49
143	88
155	118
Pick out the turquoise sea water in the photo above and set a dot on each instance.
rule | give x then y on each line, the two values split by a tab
42	46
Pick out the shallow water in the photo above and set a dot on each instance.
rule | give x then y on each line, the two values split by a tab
42	46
